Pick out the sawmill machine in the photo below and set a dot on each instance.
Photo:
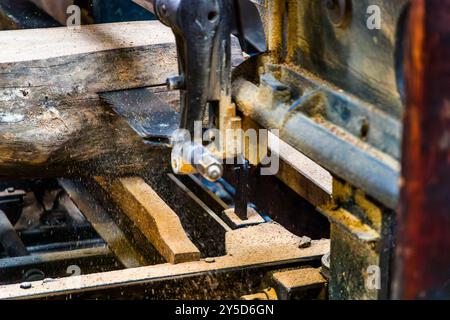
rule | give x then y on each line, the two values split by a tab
300	149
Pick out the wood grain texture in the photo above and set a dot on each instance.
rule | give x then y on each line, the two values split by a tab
51	119
156	220
355	58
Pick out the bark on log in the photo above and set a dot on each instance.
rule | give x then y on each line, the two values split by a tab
52	123
70	137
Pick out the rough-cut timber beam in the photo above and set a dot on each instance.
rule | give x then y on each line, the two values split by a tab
153	216
423	249
37	64
70	137
22	14
51	120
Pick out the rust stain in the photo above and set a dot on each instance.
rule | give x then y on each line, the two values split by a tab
423	256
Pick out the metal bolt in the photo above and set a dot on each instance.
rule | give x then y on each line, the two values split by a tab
176	83
214	172
25	285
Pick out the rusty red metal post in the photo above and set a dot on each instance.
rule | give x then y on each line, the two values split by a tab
422	264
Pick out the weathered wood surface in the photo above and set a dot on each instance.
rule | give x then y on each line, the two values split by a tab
51	120
70	137
40	63
156	220
422	254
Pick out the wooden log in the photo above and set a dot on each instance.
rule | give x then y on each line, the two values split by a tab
156	220
423	238
52	123
70	137
39	64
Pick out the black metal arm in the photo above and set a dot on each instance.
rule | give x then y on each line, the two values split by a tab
203	31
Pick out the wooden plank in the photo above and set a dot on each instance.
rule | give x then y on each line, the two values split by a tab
69	137
58	264
104	225
251	248
38	64
300	278
156	220
298	172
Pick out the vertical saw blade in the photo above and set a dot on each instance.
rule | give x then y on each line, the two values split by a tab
152	118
